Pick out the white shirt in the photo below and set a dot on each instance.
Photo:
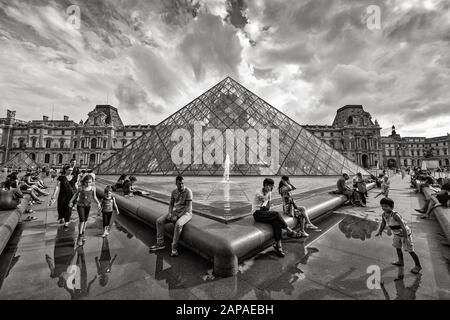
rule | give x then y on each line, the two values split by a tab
260	200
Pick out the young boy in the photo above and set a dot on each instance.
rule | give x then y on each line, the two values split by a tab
402	234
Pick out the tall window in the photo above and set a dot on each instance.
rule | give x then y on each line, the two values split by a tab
60	158
104	144
61	144
94	143
82	144
75	144
363	144
33	142
47	158
48	143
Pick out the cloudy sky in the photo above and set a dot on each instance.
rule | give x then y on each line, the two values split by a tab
151	57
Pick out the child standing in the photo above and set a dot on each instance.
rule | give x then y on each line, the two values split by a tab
108	205
402	234
85	194
385	185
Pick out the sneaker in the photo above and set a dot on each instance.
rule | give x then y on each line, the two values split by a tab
304	234
293	234
104	234
29	211
419	211
174	253
397	263
107	232
311	226
157	247
30	218
416	269
279	251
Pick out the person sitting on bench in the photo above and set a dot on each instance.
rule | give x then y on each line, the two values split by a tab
261	213
342	188
128	189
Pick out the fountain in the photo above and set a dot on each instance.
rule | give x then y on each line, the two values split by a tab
226	172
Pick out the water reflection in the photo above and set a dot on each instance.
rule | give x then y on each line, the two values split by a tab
402	291
357	228
104	264
69	265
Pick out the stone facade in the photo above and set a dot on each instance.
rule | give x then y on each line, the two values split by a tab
54	142
354	134
410	151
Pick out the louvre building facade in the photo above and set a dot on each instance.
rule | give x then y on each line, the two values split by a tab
226	121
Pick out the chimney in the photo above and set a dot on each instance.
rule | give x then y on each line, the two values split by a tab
66	118
45	118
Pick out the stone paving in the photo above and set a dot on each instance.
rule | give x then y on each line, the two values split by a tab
330	264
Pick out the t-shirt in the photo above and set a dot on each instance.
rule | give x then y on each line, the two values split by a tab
127	186
285	193
385	186
341	185
181	200
260	200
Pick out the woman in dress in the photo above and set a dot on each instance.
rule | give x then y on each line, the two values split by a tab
65	188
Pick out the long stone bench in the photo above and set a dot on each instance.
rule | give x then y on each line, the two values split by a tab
8	223
442	214
223	244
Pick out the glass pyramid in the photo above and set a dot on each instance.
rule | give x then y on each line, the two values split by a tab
20	161
257	130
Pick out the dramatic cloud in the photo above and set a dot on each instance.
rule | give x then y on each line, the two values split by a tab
306	58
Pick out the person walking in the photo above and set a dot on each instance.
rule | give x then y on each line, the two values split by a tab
108	205
65	189
85	196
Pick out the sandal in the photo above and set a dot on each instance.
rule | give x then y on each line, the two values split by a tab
30	218
397	263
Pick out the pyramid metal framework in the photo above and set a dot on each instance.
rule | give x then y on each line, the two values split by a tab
20	160
229	105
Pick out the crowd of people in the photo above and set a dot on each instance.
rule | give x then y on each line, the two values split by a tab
441	190
75	188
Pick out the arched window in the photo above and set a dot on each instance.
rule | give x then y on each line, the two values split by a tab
94	143
61	144
82	144
33	143
48	143
47	158
350	120
92	158
60	158
447	162
104	144
363	144
22	144
33	156
75	144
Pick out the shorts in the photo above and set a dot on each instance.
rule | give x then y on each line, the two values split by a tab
403	242
83	213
